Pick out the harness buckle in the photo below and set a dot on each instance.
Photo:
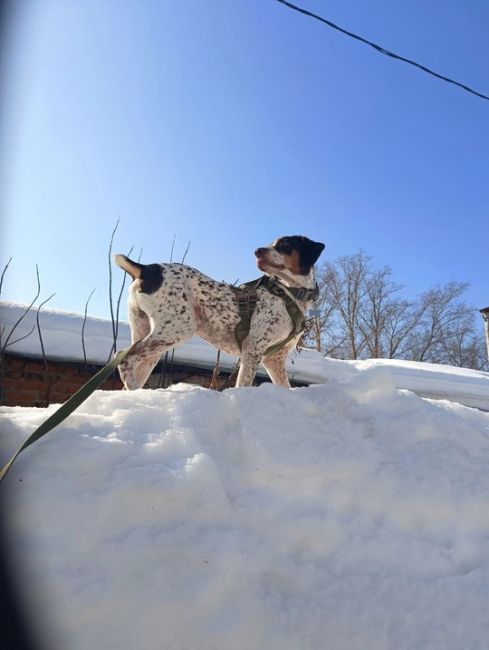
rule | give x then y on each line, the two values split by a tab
307	294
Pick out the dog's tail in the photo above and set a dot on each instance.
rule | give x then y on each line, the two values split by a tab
133	268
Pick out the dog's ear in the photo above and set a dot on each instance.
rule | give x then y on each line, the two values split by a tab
310	252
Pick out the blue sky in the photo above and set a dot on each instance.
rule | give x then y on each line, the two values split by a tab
228	123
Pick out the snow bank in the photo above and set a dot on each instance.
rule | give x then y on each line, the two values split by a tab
433	380
346	516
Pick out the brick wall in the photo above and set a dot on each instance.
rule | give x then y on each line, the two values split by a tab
24	381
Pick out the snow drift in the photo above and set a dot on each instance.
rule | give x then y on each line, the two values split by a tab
343	516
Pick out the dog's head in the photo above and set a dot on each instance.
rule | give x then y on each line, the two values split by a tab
289	257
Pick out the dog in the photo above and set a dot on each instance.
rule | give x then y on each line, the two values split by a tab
169	303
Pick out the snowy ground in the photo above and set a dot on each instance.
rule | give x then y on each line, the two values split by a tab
343	516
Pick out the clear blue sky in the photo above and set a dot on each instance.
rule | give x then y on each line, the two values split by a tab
231	122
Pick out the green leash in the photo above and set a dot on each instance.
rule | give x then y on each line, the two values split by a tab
69	406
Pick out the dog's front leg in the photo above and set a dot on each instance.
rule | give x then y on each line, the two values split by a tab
247	369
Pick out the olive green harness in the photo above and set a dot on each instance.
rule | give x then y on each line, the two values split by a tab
247	296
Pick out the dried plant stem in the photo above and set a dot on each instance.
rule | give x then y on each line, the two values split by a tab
118	306
23	315
83	329
186	251
215	384
21	338
5	342
111	303
43	351
3	274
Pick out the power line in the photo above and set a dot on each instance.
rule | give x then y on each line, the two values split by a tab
381	49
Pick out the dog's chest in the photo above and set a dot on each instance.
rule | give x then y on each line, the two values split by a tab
218	314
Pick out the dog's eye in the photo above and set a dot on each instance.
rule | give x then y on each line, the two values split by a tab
283	248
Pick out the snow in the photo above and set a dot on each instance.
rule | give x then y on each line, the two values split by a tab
349	516
61	332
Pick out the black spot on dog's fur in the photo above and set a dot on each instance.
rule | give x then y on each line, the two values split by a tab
151	278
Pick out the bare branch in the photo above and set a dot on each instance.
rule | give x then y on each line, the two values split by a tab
118	306
23	315
4	344
214	385
44	359
186	251
21	338
3	274
111	304
83	328
115	315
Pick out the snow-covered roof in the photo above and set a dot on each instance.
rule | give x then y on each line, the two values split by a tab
61	333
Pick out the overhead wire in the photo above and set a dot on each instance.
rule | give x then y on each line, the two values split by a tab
381	49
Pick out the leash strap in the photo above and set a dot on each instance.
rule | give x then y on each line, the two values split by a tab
69	406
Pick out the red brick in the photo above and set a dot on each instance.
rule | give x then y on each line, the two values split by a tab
33	366
31	385
21	399
17	364
24	381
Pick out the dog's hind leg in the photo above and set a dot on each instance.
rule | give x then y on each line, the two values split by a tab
275	366
140	323
140	362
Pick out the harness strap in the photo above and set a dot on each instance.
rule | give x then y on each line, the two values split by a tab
247	296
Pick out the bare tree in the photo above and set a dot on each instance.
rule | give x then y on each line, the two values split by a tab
378	312
362	314
343	287
442	317
485	317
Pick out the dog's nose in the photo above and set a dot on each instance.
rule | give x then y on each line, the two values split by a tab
260	251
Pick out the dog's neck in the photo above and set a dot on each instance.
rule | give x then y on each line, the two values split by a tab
297	281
